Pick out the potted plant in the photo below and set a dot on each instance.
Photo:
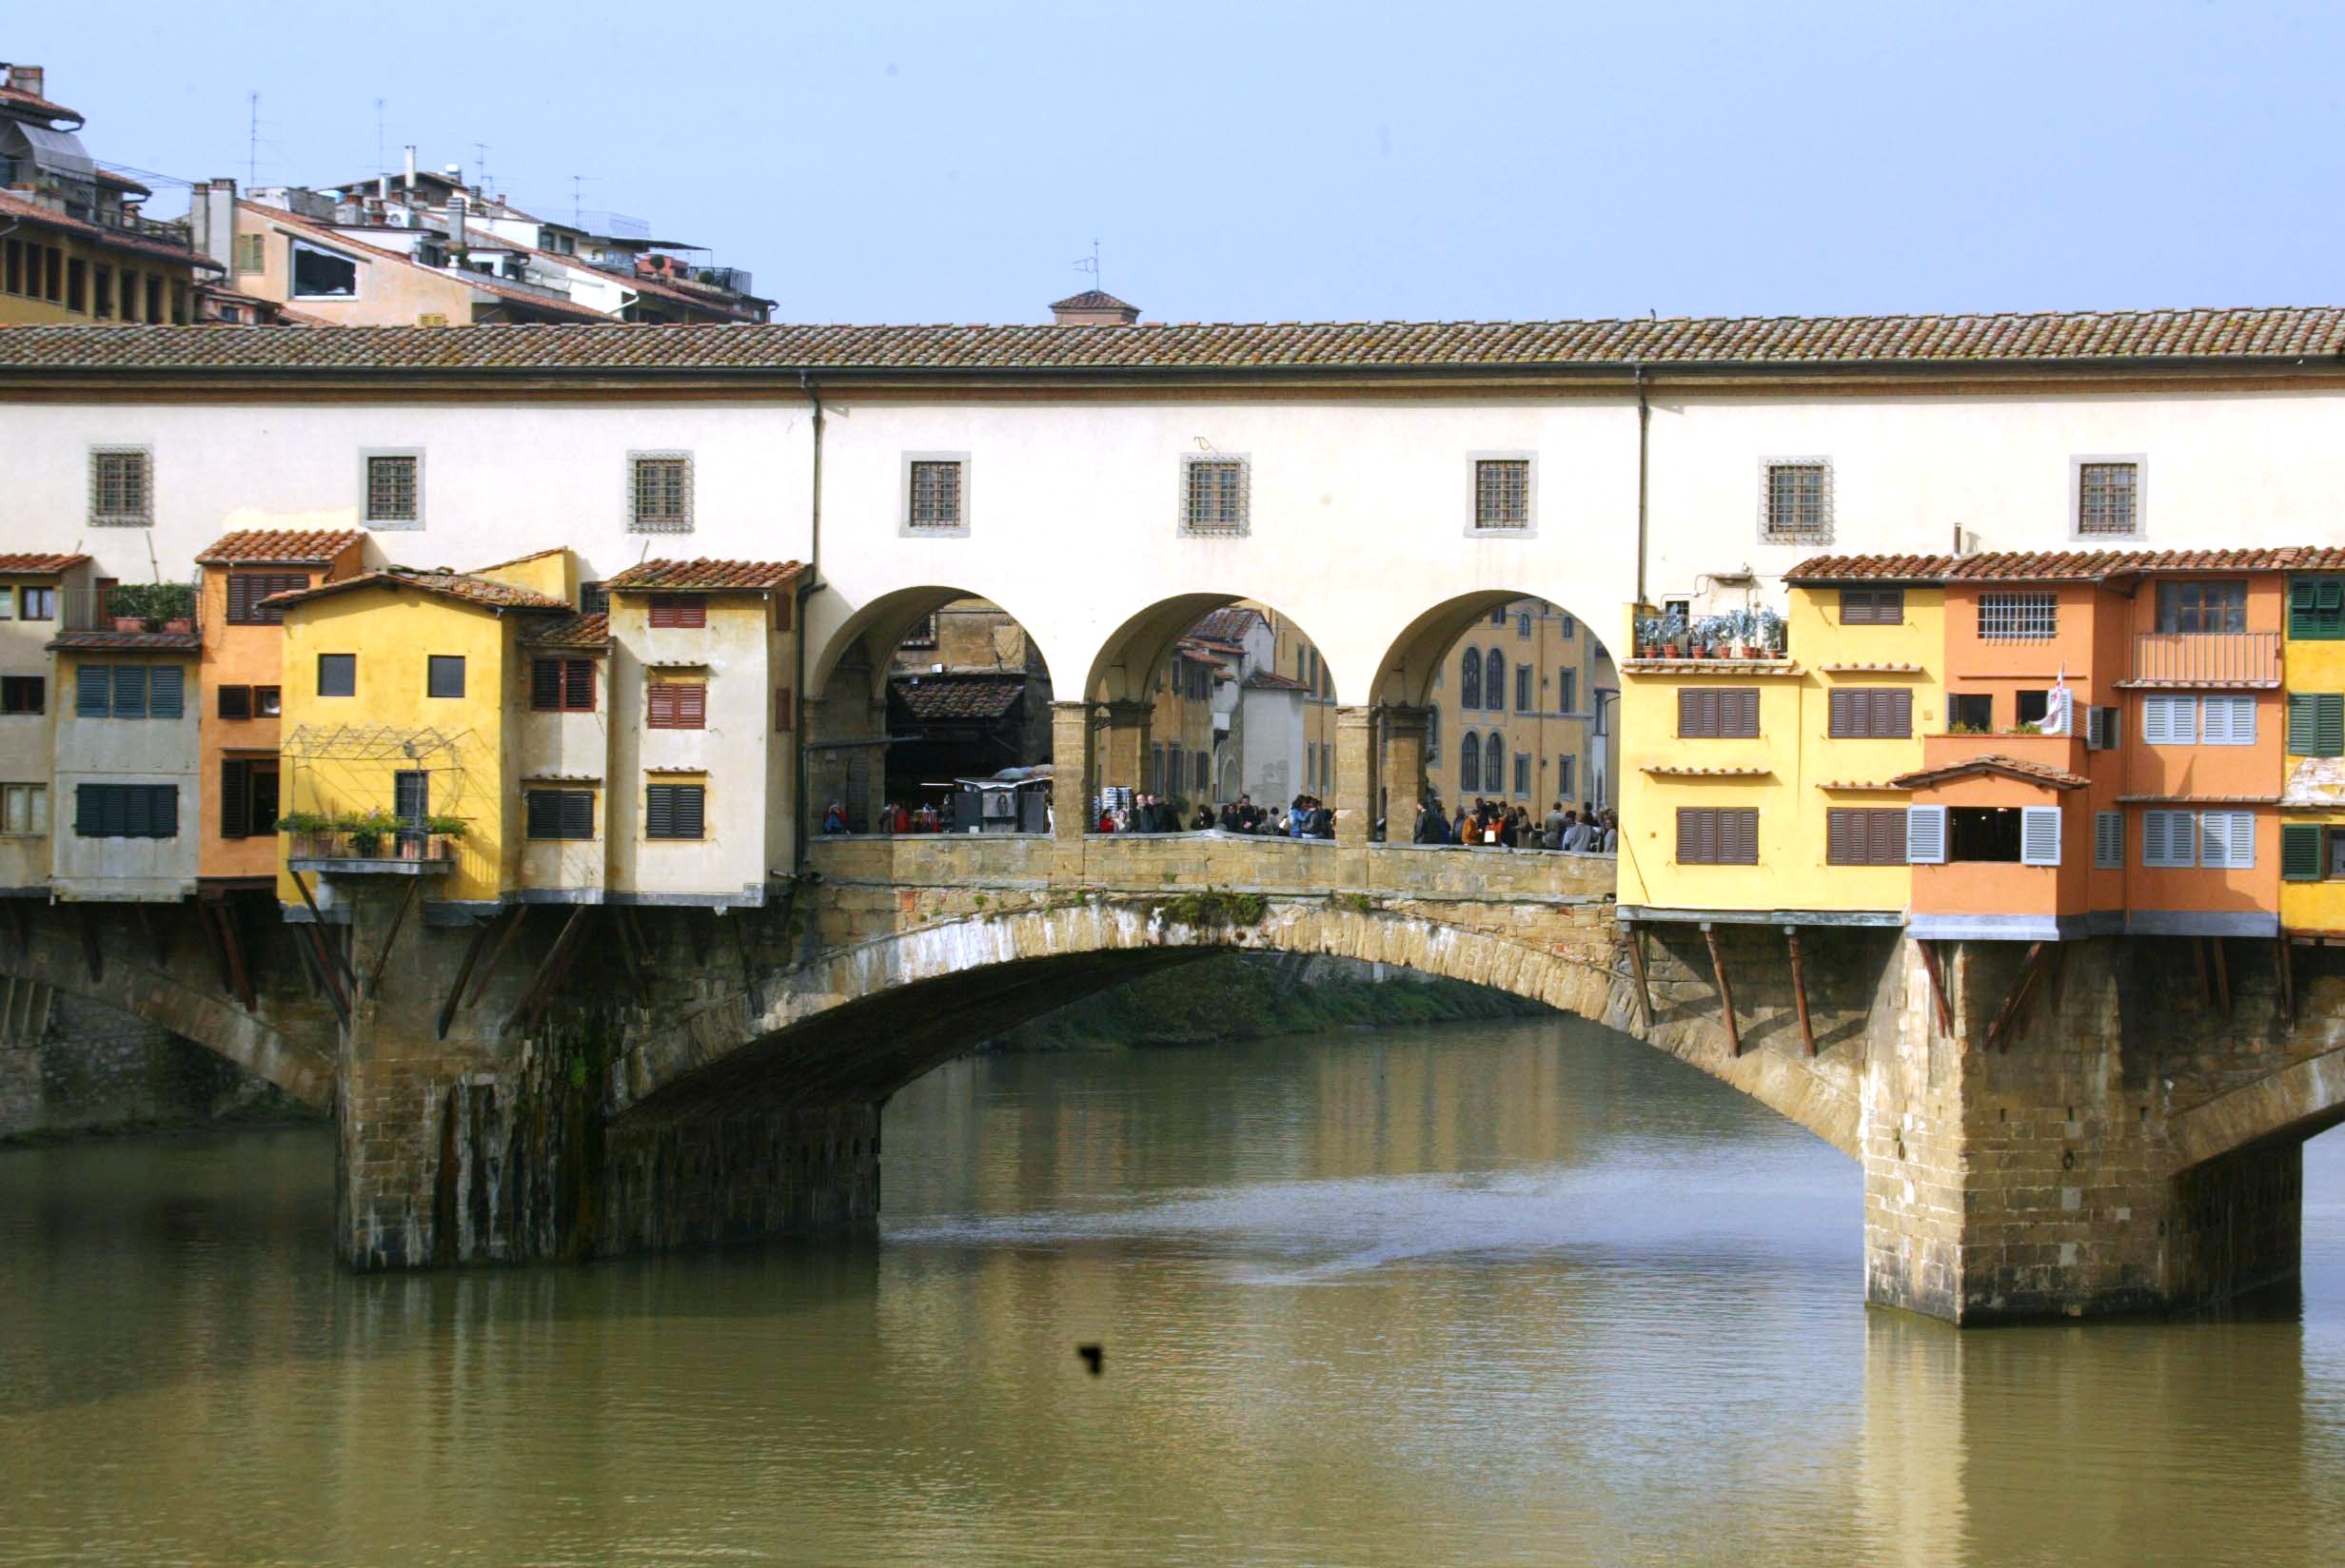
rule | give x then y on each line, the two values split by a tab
306	828
151	606
366	832
1768	632
1672	634
1648	636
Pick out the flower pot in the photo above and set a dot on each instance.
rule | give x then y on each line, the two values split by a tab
130	623
179	623
1670	651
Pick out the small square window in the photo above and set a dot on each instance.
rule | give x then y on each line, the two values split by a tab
268	702
394	490
936	494
35	603
443	675
1970	713
1501	495
120	487
1795	504
24	694
660	493
2108	499
338	675
1214	494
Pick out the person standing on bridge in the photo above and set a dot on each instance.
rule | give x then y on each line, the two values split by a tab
1558	823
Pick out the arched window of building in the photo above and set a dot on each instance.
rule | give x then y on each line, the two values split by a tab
1432	735
1469	765
1469	680
1495	763
1494	681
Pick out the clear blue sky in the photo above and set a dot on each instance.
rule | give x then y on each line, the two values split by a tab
947	163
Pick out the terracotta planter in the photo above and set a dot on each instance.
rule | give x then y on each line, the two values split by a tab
179	623
129	624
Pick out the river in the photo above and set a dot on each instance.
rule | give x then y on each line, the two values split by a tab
1523	1292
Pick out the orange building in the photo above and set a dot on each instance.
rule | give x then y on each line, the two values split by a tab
239	678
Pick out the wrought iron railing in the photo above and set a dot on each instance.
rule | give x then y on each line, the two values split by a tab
407	845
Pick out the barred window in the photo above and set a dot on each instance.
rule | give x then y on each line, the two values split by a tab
1214	495
1501	494
661	494
2107	498
2018	617
1798	503
120	487
935	497
392	489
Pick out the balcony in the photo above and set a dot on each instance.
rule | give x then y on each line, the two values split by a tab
398	851
155	617
2206	659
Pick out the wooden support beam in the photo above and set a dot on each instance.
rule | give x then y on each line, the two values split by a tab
1725	992
383	955
513	918
329	950
525	1015
623	940
1636	962
701	926
2031	970
207	911
328	970
2283	958
1931	967
749	973
464	972
1798	988
240	974
2206	994
93	950
2222	974
158	931
22	923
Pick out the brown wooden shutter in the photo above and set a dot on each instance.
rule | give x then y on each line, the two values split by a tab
1836	828
679	610
659	706
1739	835
235	702
1697	715
1841	708
578	685
545	685
1743	704
692	707
1688	836
1894	713
1888	837
235	798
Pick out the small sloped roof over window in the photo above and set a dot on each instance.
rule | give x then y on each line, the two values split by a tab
705	575
280	547
1998	765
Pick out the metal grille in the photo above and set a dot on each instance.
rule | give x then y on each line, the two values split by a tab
1502	492
2105	497
936	494
121	494
2018	617
390	489
1797	512
663	494
1216	501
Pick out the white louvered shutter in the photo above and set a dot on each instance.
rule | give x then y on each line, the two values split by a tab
2230	719
1926	836
2169	721
2039	835
2109	840
2227	840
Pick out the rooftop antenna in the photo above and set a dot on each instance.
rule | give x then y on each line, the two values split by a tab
379	168
481	158
252	139
578	209
1090	265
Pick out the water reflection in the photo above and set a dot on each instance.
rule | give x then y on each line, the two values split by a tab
1522	1293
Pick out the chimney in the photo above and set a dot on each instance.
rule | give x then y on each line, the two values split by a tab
1093	307
455	218
211	221
32	79
410	180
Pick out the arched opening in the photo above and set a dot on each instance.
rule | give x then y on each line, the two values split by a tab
924	694
1501	696
1216	711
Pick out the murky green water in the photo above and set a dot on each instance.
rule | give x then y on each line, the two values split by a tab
1479	1294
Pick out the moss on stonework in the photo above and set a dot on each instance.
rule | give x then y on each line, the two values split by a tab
1215	909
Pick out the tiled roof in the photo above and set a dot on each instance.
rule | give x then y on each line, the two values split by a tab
580	632
1270	681
284	546
705	574
1993	762
958	697
120	182
119	239
1227	625
706	299
17	100
1092	299
129	642
38	563
483	592
2061	565
2173	337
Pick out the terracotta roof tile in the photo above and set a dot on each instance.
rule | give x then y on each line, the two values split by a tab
1270	681
1993	762
958	697
1092	298
2173	337
325	233
283	546
38	563
580	632
705	575
2061	565
1227	625
119	239
129	642
485	592
22	101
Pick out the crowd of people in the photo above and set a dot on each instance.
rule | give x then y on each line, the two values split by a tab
1488	824
1306	816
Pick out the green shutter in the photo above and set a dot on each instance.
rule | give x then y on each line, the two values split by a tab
2316	608
2299	851
2316	723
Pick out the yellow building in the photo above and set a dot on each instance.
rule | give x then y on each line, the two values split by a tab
1764	789
2313	795
1537	706
403	696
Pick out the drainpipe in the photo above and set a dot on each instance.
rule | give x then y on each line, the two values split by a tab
1644	429
808	583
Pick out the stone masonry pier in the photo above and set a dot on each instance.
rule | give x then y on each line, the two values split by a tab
567	1081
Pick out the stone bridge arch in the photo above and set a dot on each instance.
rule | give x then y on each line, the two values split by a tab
862	1020
109	956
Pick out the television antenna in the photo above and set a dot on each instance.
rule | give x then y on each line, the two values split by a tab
1091	263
